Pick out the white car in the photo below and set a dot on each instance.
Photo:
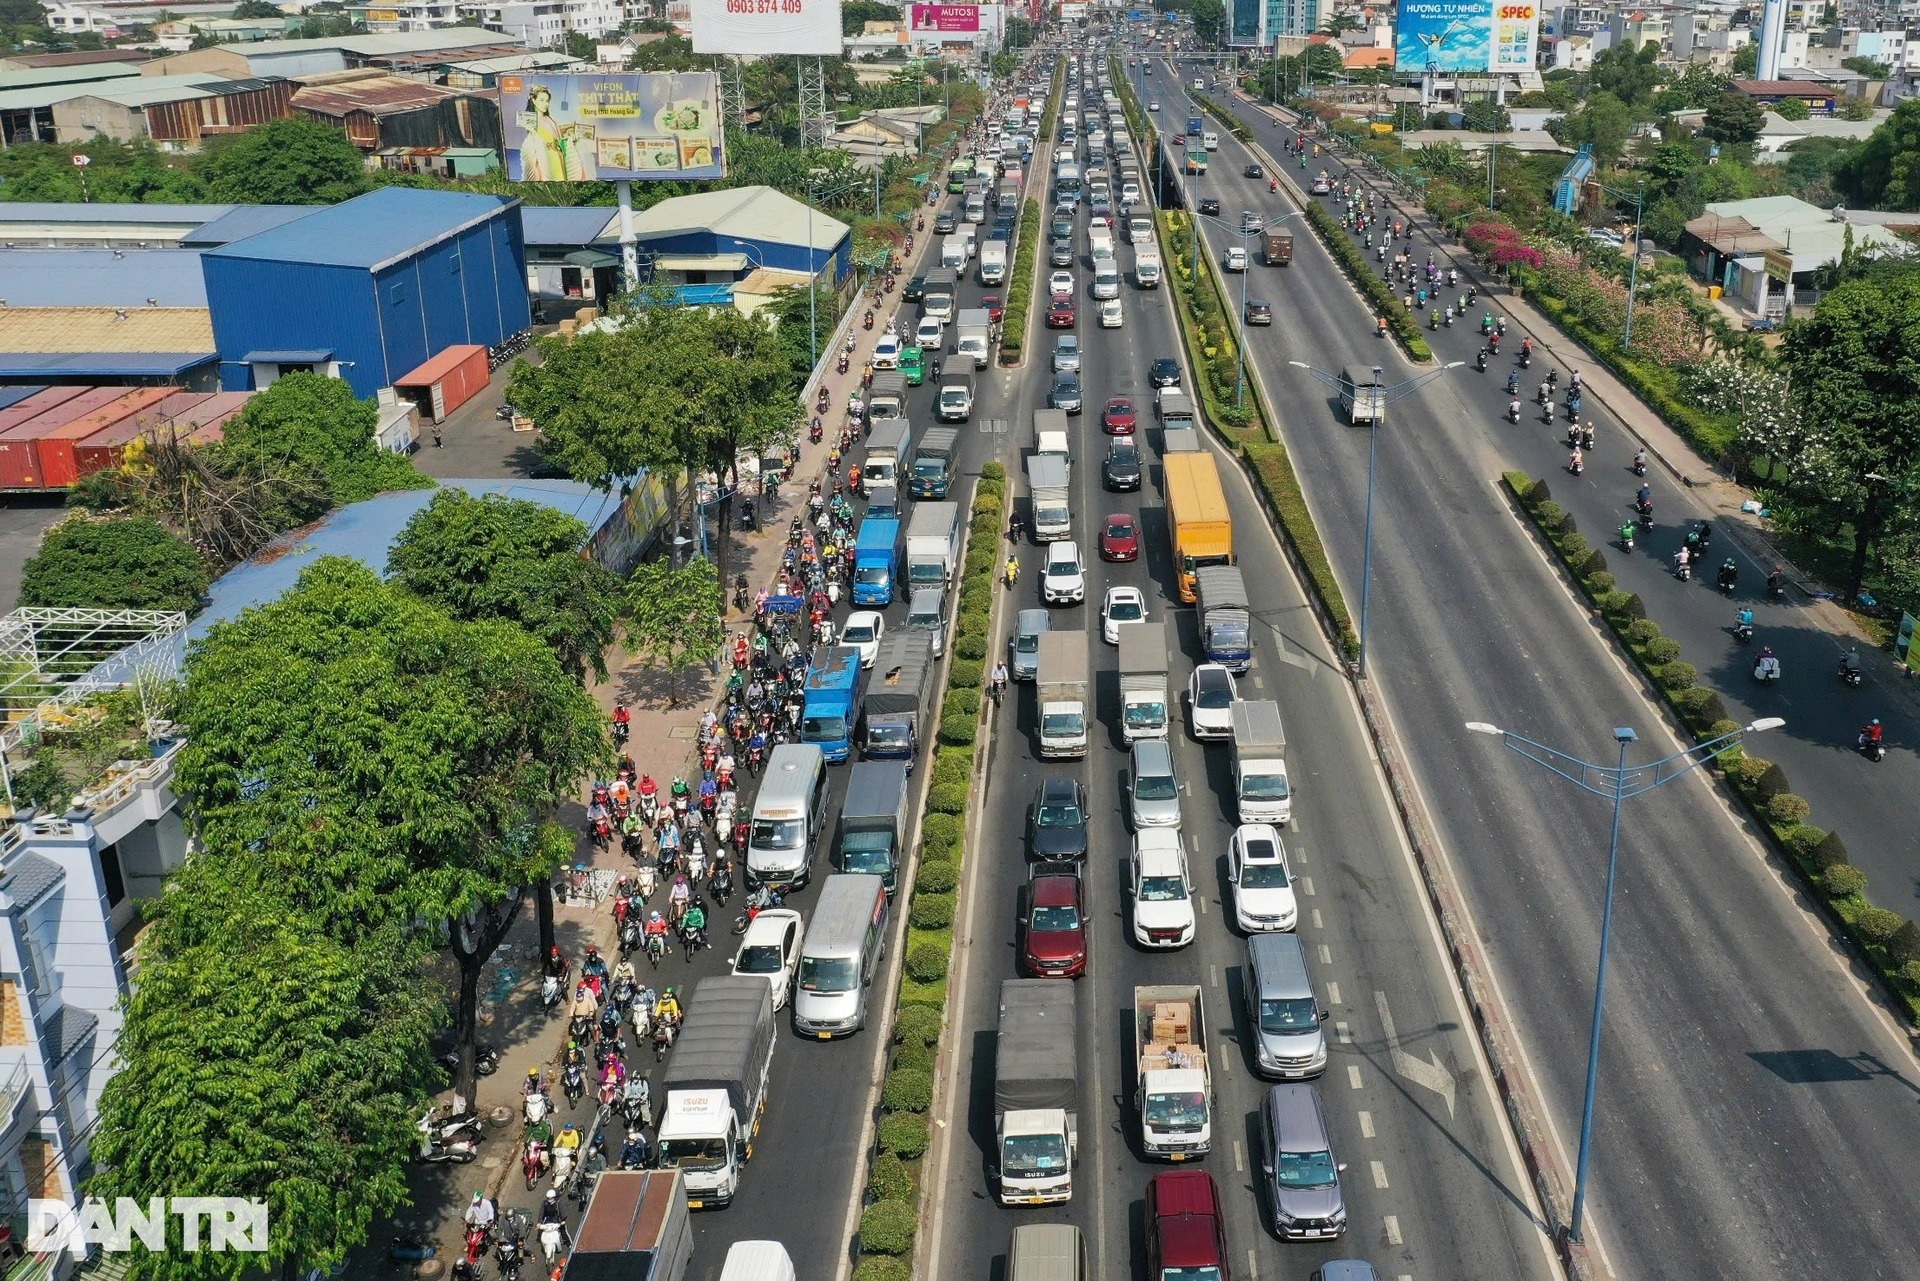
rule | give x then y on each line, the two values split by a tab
1060	284
1210	696
886	352
1153	106
1111	317
1123	605
1162	890
1262	885
1063	582
1236	259
771	950
931	333
863	631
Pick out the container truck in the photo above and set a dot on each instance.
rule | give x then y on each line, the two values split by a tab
955	404
1174	1091
1197	516
887	398
1174	409
938	300
933	463
1050	434
1048	481
876	561
637	1227
715	1086
831	701
888	448
1362	398
934	537
1260	786
897	701
1181	440
1062	694
873	822
973	336
1277	248
1226	617
993	262
1036	1092
1143	681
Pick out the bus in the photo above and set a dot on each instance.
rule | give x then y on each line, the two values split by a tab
1197	514
957	175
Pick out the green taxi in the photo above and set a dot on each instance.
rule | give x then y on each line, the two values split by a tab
913	363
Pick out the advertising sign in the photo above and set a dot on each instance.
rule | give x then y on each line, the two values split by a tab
1516	36
766	26
946	17
1445	35
600	128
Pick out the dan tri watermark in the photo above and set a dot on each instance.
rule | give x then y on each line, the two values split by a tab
216	1223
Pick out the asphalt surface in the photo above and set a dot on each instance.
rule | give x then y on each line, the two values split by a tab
1432	1186
1756	1110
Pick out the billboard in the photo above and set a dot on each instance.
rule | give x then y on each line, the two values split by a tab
1466	35
1516	36
767	26
601	128
946	17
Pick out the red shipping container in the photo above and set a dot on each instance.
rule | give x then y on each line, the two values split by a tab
212	432
217	408
22	461
446	382
35	405
58	464
106	449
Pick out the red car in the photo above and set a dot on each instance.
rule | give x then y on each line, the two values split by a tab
1060	314
1054	934
1119	538
1186	1231
1119	417
994	307
1179	140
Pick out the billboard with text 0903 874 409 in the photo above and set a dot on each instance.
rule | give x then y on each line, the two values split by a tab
800	27
603	128
1471	36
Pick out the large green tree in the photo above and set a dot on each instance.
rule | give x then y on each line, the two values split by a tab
1604	122
1627	73
292	161
311	425
1884	171
382	762
1734	118
675	616
1209	21
521	562
133	563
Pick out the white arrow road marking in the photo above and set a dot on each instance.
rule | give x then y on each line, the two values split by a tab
1427	1072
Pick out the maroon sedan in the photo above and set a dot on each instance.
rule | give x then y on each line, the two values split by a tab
1119	538
995	308
1119	417
1054	935
1060	314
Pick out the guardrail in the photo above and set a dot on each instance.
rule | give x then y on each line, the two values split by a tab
123	778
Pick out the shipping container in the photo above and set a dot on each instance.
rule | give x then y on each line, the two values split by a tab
217	408
106	449
14	395
20	459
59	466
33	406
446	382
23	457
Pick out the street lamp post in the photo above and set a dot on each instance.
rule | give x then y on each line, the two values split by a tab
1382	396
1639	199
1246	248
813	279
1618	784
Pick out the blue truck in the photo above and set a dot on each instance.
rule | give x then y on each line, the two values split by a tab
876	562
832	702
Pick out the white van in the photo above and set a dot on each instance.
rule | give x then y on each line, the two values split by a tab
789	815
845	937
757	1261
1211	141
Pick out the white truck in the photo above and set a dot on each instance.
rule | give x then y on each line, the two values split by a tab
1050	436
1143	681
1260	788
1146	264
1099	243
715	1086
636	1227
1051	492
955	403
1174	1091
1036	1092
1062	695
934	535
974	336
954	252
993	262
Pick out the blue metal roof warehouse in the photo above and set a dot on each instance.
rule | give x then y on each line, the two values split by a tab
370	289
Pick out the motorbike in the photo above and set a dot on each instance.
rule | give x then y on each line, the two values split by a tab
1576	464
1480	360
1626	537
816	430
536	1106
663	1033
573	1079
723	812
1874	749
552	992
453	1152
1851	674
843	364
1776	586
486	1059
867	323
534	1162
1767	671
636	1102
478	1238
1683	570
1640	464
550	1240
442	1124
1645	511
1513	412
646	879
511	1252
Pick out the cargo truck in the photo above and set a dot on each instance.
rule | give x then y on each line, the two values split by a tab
888	448
1050	436
873	822
1174	408
636	1228
876	561
933	463
715	1086
831	701
938	300
1062	694
993	260
1143	681
1197	516
1277	248
1146	265
1174	1091
955	403
1362	398
973	336
1181	440
887	398
954	251
898	698
935	533
1036	1092
1048	482
1226	617
1260	786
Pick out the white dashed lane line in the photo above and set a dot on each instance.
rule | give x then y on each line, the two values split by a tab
1379	1173
1366	1125
1353	1077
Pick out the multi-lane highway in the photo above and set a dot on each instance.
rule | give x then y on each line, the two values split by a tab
1756	1111
1433	1186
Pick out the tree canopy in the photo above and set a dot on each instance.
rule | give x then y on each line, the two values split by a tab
676	615
1883	172
314	426
131	563
1603	121
1627	73
292	161
1733	118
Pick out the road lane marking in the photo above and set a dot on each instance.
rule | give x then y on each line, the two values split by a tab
1326	955
1213	976
1316	918
1341	1030
1353	1076
1379	1173
1366	1125
1428	1072
1239	1157
1393	1230
1203	905
1226	1059
1253	1266
1306	885
1333	994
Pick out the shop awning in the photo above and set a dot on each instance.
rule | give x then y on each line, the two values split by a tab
314	357
700	262
591	258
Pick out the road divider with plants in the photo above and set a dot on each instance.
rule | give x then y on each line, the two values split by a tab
1013	326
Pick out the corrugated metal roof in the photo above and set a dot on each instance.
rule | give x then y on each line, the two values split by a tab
371	46
37	96
546	225
78	57
152	89
751	213
102	278
152	364
369	231
111	212
376	95
519	62
32	76
99	329
240	221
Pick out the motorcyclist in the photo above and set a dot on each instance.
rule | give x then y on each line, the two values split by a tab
695	922
633	1153
1744	619
556	963
551	1211
1851	664
595	966
533	1085
585	1004
614	1074
656	925
1513	383
568	1140
1873	734
1644	499
1626	534
1576	462
668	1007
624	971
1768	667
480	1212
1729	575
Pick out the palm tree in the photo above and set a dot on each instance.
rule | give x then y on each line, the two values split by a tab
1339	24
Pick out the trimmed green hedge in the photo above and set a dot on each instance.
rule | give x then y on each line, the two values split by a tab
882	1267
904	1134
888	1227
918	1024
931	911
888	1179
907	1090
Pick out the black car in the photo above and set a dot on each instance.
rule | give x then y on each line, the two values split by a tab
1057	821
1255	171
916	289
1062	228
1259	312
1165	372
943	222
1066	393
1122	468
1061	254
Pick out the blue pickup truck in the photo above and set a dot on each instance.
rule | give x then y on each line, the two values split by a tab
832	702
876	561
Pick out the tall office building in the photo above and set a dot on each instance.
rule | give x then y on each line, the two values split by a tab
1292	18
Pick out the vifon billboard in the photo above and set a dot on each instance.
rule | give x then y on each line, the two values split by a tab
809	28
606	128
1471	36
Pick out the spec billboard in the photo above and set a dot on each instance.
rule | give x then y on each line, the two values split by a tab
946	17
1466	35
767	27
1516	36
601	128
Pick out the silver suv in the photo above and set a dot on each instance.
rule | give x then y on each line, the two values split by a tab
1153	792
1298	1166
1024	644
